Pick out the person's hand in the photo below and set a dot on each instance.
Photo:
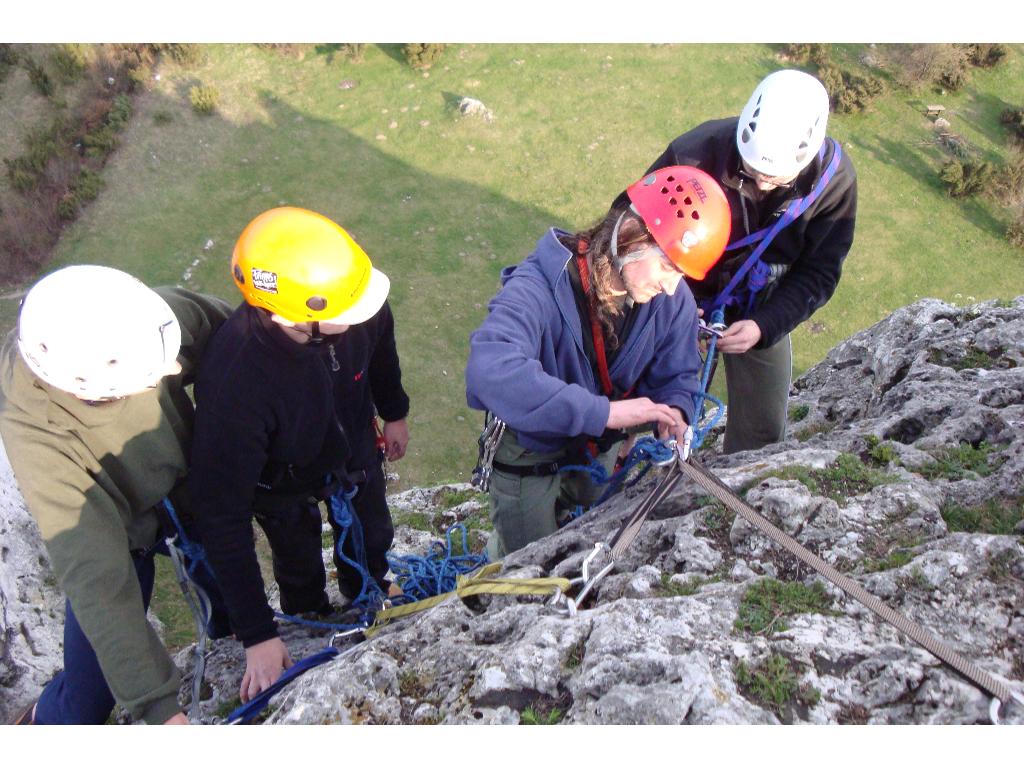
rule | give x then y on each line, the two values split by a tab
178	719
396	439
739	337
676	432
264	663
642	410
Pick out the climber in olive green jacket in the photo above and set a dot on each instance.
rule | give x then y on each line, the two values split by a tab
97	423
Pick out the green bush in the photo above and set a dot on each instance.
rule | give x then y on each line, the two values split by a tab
813	53
1015	232
966	178
204	99
848	92
422	55
8	55
120	113
38	77
1013	119
162	117
185	54
70	60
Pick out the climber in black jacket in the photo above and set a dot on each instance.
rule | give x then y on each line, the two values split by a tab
287	398
774	152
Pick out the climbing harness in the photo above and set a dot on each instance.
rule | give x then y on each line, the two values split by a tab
759	271
757	275
685	466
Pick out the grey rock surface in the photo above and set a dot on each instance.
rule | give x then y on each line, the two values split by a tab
31	605
904	427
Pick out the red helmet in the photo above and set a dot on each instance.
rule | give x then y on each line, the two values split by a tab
687	213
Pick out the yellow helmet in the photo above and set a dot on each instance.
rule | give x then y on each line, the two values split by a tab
305	268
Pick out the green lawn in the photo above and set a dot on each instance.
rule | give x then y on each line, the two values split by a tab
442	202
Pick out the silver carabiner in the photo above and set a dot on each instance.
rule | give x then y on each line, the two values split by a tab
671	445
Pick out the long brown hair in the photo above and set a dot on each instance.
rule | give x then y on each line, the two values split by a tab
598	239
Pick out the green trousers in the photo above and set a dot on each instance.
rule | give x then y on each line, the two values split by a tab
758	382
524	509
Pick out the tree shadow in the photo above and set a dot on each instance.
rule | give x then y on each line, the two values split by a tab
914	162
983	115
394	51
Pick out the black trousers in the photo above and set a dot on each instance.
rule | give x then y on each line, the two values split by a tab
296	544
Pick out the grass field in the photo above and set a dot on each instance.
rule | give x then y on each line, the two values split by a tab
441	202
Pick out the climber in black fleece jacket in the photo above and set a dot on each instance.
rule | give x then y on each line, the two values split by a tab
284	412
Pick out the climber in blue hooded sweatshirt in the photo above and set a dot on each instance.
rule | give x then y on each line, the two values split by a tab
593	333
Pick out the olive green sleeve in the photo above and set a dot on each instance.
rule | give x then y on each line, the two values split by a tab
88	545
200	316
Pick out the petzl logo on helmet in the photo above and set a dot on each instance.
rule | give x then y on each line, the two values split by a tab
699	190
265	281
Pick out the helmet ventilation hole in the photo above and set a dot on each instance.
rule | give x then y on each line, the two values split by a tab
694	215
679	187
688	201
111	363
42	347
316	303
745	136
664	190
672	201
670	179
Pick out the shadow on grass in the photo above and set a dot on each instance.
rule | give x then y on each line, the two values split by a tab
983	115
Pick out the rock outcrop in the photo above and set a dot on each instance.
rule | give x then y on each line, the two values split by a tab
903	470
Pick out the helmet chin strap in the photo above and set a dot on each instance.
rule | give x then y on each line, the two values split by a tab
621	261
315	337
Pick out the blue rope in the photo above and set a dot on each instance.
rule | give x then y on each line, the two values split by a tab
192	550
646	448
436	572
248	711
371	596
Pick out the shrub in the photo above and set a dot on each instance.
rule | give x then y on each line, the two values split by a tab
814	53
162	117
1015	232
1013	119
70	61
1008	181
8	55
921	64
38	77
8	60
120	113
185	54
422	55
985	55
353	52
849	92
204	99
966	177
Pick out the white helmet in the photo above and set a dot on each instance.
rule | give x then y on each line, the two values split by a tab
783	124
97	333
